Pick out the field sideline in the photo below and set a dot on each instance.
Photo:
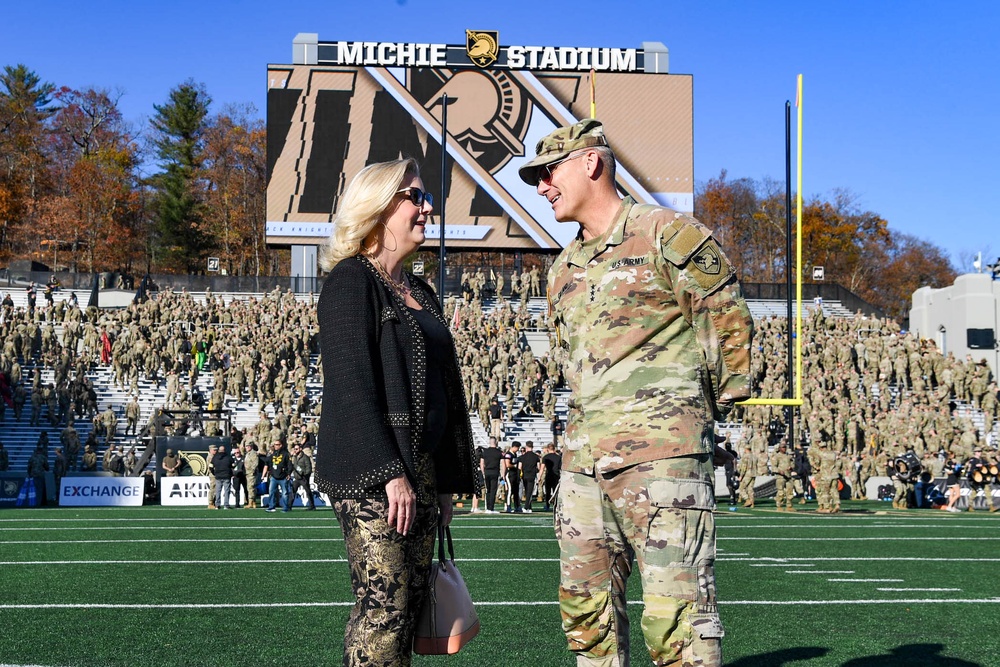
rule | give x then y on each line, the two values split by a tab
174	586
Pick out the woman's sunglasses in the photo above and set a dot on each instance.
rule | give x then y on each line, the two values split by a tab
417	196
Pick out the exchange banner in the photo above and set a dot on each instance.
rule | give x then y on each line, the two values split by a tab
101	491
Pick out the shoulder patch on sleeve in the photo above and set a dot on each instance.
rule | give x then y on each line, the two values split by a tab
709	267
708	260
680	239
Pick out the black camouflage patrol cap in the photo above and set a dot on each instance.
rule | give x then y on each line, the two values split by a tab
560	143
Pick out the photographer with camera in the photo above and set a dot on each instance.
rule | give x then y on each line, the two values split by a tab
302	469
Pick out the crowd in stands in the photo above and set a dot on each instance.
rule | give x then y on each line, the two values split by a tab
870	391
871	394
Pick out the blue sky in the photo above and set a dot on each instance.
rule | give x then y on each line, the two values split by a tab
902	98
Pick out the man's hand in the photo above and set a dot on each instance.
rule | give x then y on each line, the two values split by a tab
402	504
721	457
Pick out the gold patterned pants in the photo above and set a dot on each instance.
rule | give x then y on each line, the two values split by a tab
388	575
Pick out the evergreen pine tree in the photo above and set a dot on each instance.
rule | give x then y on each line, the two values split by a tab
179	127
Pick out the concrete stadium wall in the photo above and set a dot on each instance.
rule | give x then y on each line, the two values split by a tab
945	315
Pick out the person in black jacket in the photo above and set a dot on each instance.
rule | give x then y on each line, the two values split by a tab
489	466
394	441
278	466
222	468
302	468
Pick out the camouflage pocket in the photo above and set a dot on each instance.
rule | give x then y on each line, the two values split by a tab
557	510
682	494
707	626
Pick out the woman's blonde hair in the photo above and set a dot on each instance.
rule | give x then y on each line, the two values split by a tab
364	206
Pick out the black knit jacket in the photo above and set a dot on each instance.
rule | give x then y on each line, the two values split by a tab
374	385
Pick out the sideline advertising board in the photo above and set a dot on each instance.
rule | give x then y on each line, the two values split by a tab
101	491
189	490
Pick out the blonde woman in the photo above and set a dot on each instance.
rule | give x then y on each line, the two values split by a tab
394	439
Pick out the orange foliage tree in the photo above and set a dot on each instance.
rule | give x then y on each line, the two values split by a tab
94	210
235	166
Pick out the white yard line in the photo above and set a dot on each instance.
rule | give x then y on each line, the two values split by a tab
917	590
327	526
508	603
251	540
891	559
782	564
818	571
886	581
859	539
229	561
859	526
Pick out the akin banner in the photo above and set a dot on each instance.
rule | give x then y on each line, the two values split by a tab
101	491
190	490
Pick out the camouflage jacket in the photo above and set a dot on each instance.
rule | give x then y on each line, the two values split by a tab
659	339
782	464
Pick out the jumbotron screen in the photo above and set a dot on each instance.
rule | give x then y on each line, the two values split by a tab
374	102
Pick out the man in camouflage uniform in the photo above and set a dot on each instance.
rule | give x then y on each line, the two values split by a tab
782	466
658	336
251	463
828	480
212	484
747	471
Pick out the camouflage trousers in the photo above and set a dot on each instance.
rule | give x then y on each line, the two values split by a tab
389	574
253	479
900	493
747	483
784	493
827	493
660	514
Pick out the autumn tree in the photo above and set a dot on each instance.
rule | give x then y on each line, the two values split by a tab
179	128
92	213
235	168
909	264
25	106
748	218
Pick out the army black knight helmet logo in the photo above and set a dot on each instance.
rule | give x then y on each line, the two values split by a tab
483	46
708	260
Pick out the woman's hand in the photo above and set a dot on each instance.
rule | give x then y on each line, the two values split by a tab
445	509
402	503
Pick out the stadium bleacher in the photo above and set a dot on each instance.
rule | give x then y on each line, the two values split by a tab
20	438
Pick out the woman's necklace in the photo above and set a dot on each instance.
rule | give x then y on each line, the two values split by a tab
401	287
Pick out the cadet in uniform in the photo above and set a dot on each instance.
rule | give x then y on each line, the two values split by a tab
747	470
251	464
529	473
781	466
489	465
553	463
512	474
659	350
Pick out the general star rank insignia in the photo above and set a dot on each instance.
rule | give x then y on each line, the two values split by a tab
482	46
707	260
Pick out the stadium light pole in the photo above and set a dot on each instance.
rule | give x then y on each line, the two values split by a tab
796	399
790	417
445	101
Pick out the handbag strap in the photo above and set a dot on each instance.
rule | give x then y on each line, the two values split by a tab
444	533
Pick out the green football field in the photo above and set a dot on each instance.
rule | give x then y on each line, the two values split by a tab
171	586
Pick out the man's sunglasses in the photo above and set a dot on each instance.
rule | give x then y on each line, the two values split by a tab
545	171
417	196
